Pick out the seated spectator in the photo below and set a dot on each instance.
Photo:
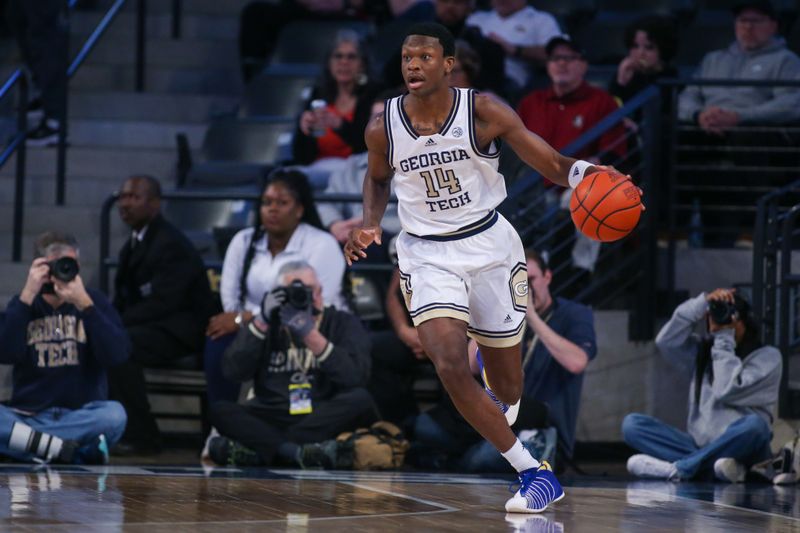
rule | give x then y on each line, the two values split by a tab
309	365
60	338
558	345
757	54
161	291
562	113
522	32
341	217
733	393
261	22
651	44
287	229
326	136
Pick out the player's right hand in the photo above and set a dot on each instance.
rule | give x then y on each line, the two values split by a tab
359	240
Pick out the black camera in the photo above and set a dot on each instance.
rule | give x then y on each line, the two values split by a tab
298	295
721	312
63	269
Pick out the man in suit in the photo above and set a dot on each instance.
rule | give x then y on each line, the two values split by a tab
162	293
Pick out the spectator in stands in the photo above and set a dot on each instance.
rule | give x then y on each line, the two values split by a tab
287	229
325	137
559	343
41	29
60	338
452	14
341	217
651	44
521	31
261	23
309	365
733	393
161	291
563	112
757	54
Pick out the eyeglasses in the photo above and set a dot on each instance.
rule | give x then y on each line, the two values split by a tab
567	58
339	56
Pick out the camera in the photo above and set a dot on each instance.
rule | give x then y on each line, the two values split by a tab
63	269
722	313
298	295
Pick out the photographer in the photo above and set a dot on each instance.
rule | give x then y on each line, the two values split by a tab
61	338
733	393
309	367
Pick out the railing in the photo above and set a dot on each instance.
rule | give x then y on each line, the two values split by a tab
17	142
621	266
775	283
141	37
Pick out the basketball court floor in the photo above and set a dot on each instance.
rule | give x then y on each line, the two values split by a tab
173	499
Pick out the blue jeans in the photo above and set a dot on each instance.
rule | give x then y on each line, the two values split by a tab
478	457
746	440
81	425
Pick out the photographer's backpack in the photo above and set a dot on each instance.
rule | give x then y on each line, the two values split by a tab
382	446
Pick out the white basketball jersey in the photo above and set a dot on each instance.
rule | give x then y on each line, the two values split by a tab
444	181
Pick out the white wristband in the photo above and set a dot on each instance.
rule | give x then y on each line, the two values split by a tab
576	172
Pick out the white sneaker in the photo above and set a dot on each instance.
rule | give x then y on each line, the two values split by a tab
204	455
730	470
643	465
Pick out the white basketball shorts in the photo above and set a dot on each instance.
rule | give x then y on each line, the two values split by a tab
479	277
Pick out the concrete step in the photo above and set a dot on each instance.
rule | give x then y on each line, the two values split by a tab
158	25
84	191
219	81
161	52
111	163
78	220
131	134
149	106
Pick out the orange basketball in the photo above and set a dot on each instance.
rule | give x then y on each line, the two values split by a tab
605	206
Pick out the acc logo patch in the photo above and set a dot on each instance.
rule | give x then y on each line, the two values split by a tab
458	132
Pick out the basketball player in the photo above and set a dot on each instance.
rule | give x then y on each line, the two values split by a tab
462	265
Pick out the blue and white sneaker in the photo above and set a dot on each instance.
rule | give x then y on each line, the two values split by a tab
93	453
538	489
511	411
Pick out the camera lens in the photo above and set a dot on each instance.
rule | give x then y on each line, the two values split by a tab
64	269
721	312
298	295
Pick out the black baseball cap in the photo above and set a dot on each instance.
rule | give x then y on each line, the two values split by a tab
764	6
564	40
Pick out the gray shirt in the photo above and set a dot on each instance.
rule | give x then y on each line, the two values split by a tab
741	386
765	105
350	180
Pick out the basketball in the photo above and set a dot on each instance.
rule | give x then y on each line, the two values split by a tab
605	206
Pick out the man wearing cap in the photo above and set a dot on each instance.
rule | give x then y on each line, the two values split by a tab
758	53
565	111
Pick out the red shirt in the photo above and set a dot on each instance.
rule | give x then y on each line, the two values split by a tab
559	121
331	144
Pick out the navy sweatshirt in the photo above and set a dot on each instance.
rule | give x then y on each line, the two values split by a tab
60	355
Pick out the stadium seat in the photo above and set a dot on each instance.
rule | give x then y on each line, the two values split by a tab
276	94
710	30
308	41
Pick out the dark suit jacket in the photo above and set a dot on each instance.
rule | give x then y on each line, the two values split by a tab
162	282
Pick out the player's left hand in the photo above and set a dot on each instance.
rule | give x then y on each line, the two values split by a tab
610	168
359	240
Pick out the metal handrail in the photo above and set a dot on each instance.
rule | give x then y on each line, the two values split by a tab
86	49
784	330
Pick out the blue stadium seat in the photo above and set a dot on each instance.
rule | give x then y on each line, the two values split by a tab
308	41
276	94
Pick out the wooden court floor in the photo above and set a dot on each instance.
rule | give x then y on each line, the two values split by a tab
156	499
